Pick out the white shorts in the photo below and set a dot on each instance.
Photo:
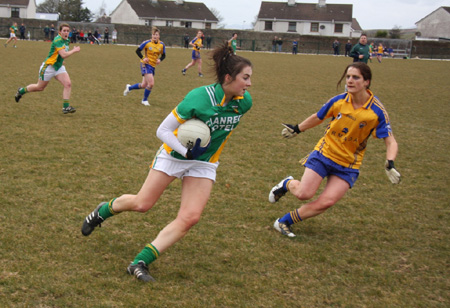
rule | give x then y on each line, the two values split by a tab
47	72
11	35
180	168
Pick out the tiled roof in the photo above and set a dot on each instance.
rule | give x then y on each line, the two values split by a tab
306	11
14	2
172	10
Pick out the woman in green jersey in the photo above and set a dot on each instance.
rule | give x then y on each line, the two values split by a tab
53	66
221	106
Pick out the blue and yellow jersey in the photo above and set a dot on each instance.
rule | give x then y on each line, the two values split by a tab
347	133
207	104
53	56
197	42
380	50
152	51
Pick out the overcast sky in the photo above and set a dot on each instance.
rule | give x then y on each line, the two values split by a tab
371	14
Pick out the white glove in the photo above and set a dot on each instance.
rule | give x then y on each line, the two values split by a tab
290	130
391	172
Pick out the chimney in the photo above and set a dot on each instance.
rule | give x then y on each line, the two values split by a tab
291	2
322	3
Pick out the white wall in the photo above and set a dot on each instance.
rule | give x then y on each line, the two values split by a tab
304	27
437	24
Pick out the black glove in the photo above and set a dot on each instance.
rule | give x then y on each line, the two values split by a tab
290	130
197	150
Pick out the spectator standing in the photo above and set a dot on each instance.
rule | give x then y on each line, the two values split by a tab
348	47
336	46
208	41
294	47
274	44
52	32
74	35
47	33
114	36
186	40
106	36
280	44
22	30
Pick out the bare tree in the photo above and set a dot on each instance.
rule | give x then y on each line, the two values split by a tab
219	17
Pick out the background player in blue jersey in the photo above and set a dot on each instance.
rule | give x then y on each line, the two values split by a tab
151	53
196	44
355	115
221	106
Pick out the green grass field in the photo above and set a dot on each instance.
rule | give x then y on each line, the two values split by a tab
380	246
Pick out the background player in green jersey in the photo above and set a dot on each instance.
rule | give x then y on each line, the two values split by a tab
220	106
355	116
53	66
12	35
233	42
154	52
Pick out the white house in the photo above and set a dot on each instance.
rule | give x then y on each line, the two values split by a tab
307	18
176	13
436	24
17	8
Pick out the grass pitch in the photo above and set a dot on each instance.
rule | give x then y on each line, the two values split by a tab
380	246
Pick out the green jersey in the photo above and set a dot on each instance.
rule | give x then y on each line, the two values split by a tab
233	44
360	49
53	56
207	104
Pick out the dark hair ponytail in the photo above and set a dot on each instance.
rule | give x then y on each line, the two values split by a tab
226	62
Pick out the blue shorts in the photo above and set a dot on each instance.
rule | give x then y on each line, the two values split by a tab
195	55
325	167
147	69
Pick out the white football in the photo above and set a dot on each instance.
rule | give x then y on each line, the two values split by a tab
189	131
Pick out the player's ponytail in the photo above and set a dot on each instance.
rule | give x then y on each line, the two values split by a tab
226	62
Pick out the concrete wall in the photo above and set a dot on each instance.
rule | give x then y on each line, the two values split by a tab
437	24
248	40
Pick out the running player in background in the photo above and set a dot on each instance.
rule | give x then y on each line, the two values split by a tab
221	106
355	115
12	35
151	53
53	66
196	44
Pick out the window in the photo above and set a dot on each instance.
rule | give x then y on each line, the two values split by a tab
208	25
188	24
338	28
169	23
15	12
292	26
268	25
314	27
148	22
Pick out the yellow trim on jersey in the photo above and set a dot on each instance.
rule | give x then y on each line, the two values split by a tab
215	157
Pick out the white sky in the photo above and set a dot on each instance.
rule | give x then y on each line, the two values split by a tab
371	14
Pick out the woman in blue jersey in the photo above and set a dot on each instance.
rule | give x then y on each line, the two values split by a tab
355	115
53	66
221	106
196	44
151	53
